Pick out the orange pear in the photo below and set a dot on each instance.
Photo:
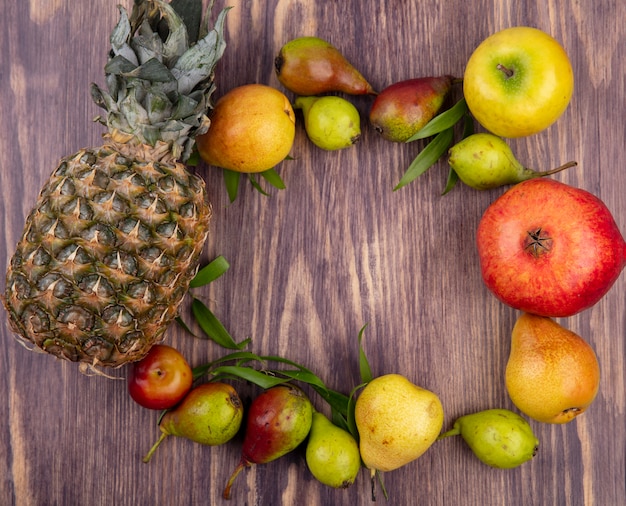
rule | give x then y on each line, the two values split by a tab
253	127
552	374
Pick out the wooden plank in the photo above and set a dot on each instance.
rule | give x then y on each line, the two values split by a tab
312	264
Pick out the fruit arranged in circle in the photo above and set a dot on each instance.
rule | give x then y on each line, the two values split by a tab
552	374
518	81
252	129
312	66
403	108
549	248
330	122
161	379
397	422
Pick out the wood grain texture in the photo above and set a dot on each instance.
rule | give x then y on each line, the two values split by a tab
312	264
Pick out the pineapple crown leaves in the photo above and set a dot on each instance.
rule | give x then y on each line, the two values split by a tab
160	72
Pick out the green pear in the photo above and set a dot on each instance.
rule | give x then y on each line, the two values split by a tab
332	454
210	414
484	161
403	108
330	122
498	437
312	66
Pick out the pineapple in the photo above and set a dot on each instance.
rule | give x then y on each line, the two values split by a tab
115	237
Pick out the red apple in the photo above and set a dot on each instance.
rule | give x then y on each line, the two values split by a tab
161	379
549	249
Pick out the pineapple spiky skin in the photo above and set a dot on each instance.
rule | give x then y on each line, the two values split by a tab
116	234
106	256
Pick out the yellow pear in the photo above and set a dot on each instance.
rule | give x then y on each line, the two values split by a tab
552	374
397	422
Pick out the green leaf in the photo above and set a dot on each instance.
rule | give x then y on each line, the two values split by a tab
231	180
468	126
210	272
272	177
427	157
242	356
451	181
364	366
267	378
336	400
302	375
213	328
339	420
443	121
258	378
350	419
468	129
255	183
180	322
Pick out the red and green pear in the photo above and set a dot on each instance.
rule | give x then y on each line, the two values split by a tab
403	108
279	419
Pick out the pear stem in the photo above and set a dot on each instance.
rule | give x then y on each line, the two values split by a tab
148	456
373	483
243	463
558	169
455	431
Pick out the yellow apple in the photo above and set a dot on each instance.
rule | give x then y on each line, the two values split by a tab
518	82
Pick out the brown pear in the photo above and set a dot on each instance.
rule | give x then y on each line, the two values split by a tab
552	374
312	66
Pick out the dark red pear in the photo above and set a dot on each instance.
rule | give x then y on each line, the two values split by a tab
278	420
312	66
403	108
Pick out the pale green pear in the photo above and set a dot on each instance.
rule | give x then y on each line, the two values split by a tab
330	122
484	161
498	437
332	454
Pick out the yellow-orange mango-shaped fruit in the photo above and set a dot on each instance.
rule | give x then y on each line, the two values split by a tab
252	130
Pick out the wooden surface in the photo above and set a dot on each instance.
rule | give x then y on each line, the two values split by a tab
313	263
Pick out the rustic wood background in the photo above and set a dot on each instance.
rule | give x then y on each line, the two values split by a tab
311	264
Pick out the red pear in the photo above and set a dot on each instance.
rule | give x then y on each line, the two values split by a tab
278	420
403	109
